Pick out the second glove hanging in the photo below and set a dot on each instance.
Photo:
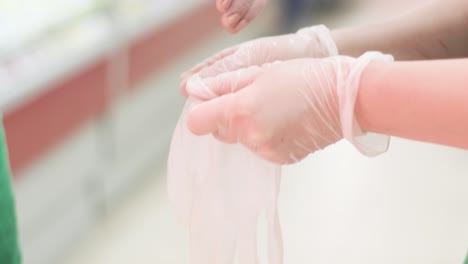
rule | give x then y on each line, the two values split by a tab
220	192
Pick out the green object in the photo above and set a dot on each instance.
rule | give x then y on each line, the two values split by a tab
9	246
466	260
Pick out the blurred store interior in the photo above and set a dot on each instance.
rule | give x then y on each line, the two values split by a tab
90	97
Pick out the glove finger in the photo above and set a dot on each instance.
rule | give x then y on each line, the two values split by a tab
226	83
223	5
252	12
235	61
206	63
211	60
258	52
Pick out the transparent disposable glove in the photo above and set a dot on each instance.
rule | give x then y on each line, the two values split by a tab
314	42
236	14
286	110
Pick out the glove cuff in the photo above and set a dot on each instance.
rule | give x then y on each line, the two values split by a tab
321	42
369	144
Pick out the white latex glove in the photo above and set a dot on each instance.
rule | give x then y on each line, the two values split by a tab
236	14
286	110
314	42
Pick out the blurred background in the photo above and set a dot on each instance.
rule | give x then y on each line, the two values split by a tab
89	92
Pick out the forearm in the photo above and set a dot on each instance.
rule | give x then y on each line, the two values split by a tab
436	30
425	101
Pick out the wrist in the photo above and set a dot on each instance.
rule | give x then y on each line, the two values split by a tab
367	93
355	126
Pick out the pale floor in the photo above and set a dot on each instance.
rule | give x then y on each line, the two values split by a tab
409	205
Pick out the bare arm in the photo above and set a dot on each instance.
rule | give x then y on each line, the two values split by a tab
438	29
421	100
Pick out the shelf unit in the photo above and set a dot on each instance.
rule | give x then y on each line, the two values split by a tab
81	132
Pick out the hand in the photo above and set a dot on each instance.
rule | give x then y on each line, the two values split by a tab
236	14
315	42
283	111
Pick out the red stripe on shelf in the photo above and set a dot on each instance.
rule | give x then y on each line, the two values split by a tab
36	127
160	47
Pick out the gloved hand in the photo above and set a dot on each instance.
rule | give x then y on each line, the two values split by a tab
236	14
285	110
315	42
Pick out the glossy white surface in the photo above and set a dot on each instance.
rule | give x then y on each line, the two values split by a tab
407	206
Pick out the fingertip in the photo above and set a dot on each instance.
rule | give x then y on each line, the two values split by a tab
230	21
196	86
184	77
194	80
194	123
225	5
184	74
231	30
241	25
219	5
183	87
203	118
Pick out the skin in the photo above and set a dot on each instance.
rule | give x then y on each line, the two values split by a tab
237	14
433	31
420	100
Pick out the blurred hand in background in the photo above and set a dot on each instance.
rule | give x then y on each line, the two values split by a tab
236	14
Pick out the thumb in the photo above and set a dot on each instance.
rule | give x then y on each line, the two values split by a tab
220	114
209	116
